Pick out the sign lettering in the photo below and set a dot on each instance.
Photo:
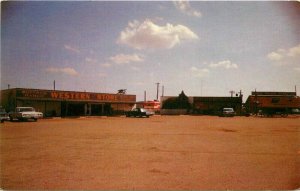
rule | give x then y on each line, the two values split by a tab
81	96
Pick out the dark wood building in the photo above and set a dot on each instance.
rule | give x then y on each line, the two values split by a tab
214	105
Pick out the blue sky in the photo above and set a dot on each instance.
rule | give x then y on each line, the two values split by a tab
203	48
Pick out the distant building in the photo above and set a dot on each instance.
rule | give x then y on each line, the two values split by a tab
214	105
271	102
67	103
211	105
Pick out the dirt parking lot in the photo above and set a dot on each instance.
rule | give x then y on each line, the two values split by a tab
161	152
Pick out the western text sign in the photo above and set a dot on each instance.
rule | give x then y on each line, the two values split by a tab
78	96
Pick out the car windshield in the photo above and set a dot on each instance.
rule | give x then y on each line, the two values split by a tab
26	109
143	110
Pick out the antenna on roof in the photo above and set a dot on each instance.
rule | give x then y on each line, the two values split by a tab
122	91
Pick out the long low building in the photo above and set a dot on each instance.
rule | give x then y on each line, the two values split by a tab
210	105
67	103
214	105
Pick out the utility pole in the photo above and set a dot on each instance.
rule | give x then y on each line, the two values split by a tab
162	91
201	86
145	95
157	90
231	92
8	86
256	103
54	85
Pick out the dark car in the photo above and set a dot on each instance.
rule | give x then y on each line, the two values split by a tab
139	112
3	115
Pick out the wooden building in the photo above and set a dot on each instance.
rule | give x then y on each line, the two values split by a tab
67	103
272	102
214	105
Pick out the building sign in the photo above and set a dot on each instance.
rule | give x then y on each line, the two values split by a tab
76	96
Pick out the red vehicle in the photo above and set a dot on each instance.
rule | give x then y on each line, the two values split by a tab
153	106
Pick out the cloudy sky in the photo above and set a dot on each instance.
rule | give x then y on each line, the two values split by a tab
203	48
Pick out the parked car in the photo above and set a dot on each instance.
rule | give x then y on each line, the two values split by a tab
295	111
25	113
228	112
3	115
139	112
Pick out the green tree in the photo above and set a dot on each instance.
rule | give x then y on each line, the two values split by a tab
180	102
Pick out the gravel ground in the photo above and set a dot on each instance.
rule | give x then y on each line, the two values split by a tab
161	152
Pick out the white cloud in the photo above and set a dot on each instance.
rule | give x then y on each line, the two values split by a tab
149	35
106	65
297	69
227	64
199	72
68	71
71	48
274	56
102	74
126	58
135	68
185	7
294	51
91	60
283	54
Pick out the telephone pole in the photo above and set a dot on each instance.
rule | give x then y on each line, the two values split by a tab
157	90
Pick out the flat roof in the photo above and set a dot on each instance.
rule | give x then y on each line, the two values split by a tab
255	93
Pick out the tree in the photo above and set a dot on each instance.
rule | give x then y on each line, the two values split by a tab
180	102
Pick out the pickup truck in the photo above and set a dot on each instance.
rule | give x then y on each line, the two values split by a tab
25	113
139	112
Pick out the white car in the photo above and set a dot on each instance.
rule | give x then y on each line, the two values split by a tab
25	113
139	112
228	112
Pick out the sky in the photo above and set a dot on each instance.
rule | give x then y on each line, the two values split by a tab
202	48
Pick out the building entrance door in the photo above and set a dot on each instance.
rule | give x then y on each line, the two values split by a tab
97	109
